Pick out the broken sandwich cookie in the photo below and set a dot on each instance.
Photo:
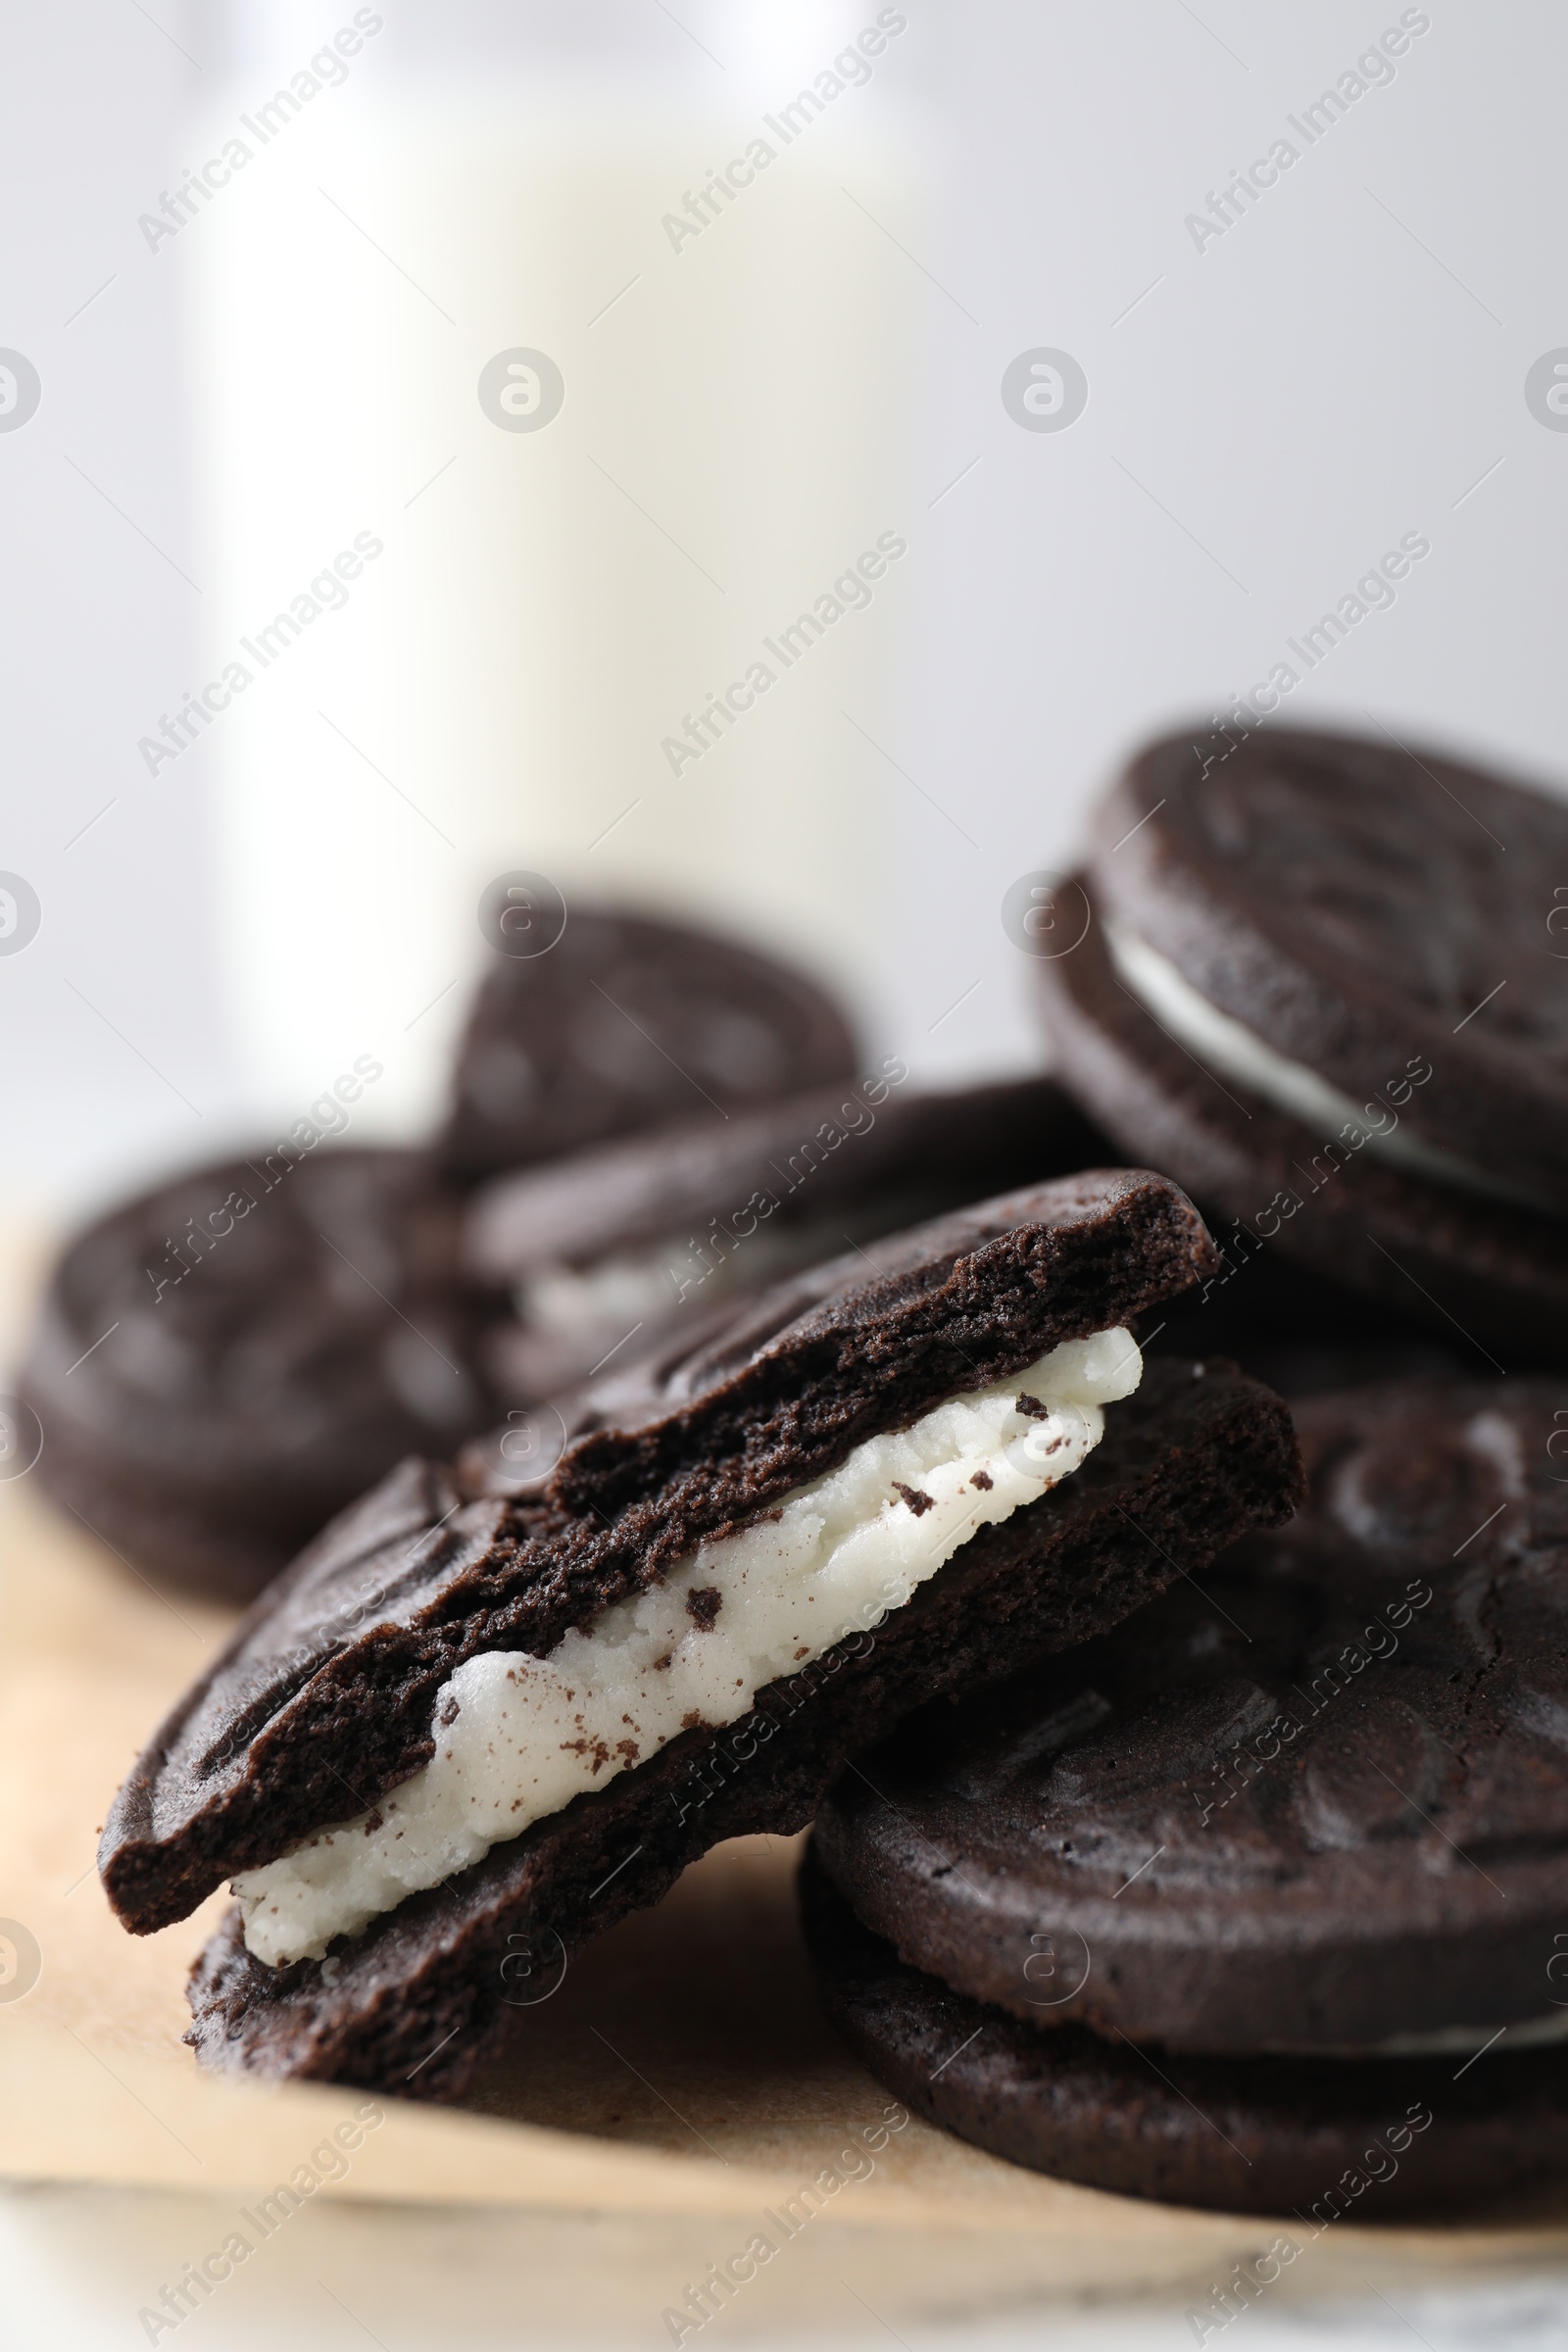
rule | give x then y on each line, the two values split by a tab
463	1717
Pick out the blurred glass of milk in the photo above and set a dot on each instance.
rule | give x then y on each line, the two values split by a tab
526	439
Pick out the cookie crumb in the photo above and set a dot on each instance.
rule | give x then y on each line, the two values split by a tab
918	1504
983	1480
704	1604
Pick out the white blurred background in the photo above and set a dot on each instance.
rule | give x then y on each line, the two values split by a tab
225	409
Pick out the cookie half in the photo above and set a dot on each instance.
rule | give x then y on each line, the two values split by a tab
626	1023
851	1494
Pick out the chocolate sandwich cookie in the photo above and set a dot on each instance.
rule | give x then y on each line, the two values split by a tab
612	1243
224	1363
624	1022
467	1725
1206	1909
1318	985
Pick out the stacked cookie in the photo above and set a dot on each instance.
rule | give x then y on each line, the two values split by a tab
837	1452
1261	1901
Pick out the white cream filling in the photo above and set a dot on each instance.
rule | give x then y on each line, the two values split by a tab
519	1736
566	1299
1447	2041
1241	1055
643	1286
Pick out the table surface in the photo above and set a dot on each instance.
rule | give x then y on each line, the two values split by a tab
79	2265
